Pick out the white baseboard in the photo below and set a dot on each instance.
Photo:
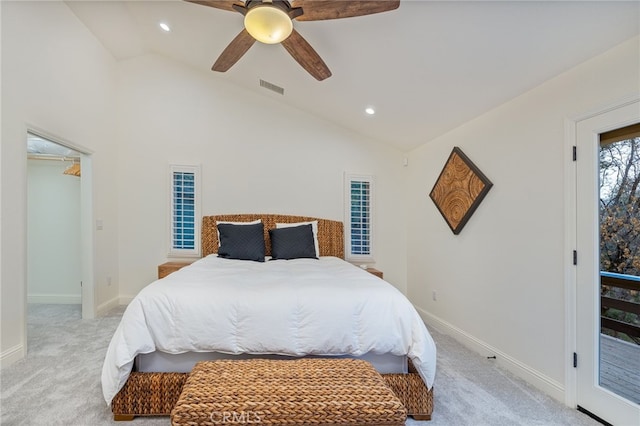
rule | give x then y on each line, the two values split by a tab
541	381
125	299
11	356
105	307
57	299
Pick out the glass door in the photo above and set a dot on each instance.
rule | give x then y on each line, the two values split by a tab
619	211
608	266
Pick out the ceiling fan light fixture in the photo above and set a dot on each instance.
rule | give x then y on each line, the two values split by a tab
268	24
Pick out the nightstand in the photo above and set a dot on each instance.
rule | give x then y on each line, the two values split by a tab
169	267
375	272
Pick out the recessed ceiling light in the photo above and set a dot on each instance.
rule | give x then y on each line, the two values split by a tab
370	110
165	27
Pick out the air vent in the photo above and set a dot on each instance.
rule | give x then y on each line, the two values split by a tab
271	87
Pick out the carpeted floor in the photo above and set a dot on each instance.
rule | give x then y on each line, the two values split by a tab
59	381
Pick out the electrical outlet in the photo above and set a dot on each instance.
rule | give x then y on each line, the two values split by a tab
108	281
434	295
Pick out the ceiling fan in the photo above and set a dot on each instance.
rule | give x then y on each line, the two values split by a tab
271	22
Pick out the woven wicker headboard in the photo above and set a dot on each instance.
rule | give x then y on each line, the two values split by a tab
330	232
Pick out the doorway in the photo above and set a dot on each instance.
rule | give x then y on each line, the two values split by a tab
607	264
59	232
54	269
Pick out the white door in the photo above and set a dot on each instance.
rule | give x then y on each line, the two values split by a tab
592	394
86	225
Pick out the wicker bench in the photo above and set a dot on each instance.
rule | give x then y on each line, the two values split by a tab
315	391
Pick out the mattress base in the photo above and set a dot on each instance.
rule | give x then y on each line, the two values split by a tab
161	362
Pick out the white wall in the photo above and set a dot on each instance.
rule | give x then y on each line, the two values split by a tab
58	78
500	282
54	270
256	154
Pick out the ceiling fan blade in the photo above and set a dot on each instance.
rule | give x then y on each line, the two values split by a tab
304	54
218	4
318	10
234	51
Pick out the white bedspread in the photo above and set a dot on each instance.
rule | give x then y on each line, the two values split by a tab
288	307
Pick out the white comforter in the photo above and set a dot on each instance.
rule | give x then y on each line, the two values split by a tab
288	307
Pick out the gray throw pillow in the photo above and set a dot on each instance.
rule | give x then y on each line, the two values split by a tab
292	243
243	242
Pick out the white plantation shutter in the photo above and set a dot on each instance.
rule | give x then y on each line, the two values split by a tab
359	217
185	211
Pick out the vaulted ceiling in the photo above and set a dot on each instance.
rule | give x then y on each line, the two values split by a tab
426	67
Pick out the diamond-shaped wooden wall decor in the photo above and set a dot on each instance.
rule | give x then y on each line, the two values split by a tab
459	190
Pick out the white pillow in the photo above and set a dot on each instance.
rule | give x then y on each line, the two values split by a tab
253	222
314	228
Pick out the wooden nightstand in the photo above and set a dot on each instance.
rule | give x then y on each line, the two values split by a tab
375	272
169	267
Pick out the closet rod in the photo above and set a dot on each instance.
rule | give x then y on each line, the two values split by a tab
52	157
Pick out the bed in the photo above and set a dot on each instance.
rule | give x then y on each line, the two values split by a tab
286	305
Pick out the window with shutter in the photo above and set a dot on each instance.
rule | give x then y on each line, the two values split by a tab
359	217
185	211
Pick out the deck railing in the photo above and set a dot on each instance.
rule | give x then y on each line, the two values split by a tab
607	304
